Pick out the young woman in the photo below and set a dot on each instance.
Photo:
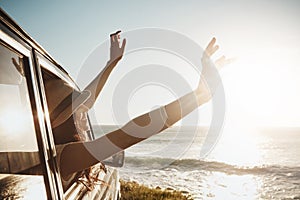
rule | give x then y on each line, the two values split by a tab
80	155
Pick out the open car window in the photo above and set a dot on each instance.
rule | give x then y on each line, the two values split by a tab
67	131
57	88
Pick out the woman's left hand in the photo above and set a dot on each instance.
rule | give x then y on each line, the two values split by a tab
209	76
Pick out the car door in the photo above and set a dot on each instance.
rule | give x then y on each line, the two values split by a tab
28	166
26	171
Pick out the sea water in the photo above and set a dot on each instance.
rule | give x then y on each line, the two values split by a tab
260	164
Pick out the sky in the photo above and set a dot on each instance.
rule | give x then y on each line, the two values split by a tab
261	86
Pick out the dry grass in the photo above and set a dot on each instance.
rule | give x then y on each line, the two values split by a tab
134	191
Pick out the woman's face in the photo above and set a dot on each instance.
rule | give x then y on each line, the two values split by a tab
81	119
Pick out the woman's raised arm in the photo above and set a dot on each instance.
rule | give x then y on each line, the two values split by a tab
116	54
142	127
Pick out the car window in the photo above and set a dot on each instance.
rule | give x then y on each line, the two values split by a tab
57	90
19	155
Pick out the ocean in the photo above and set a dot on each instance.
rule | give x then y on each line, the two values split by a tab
259	163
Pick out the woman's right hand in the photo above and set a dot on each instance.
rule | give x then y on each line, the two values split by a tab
116	52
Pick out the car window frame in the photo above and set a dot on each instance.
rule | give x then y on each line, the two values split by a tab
44	63
11	40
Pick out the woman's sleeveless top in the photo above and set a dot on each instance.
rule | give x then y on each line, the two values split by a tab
66	182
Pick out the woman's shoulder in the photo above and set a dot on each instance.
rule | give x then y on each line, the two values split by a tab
59	148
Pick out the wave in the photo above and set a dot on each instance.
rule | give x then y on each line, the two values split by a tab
210	166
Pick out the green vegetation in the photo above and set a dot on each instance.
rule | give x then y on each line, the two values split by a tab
134	191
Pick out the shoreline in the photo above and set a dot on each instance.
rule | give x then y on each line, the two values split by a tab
133	190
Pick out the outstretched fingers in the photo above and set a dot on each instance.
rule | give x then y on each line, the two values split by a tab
116	48
19	66
211	47
123	45
15	62
222	61
115	37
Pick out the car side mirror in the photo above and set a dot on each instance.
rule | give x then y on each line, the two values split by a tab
117	160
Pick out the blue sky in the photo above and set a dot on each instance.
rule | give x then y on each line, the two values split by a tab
265	36
69	30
